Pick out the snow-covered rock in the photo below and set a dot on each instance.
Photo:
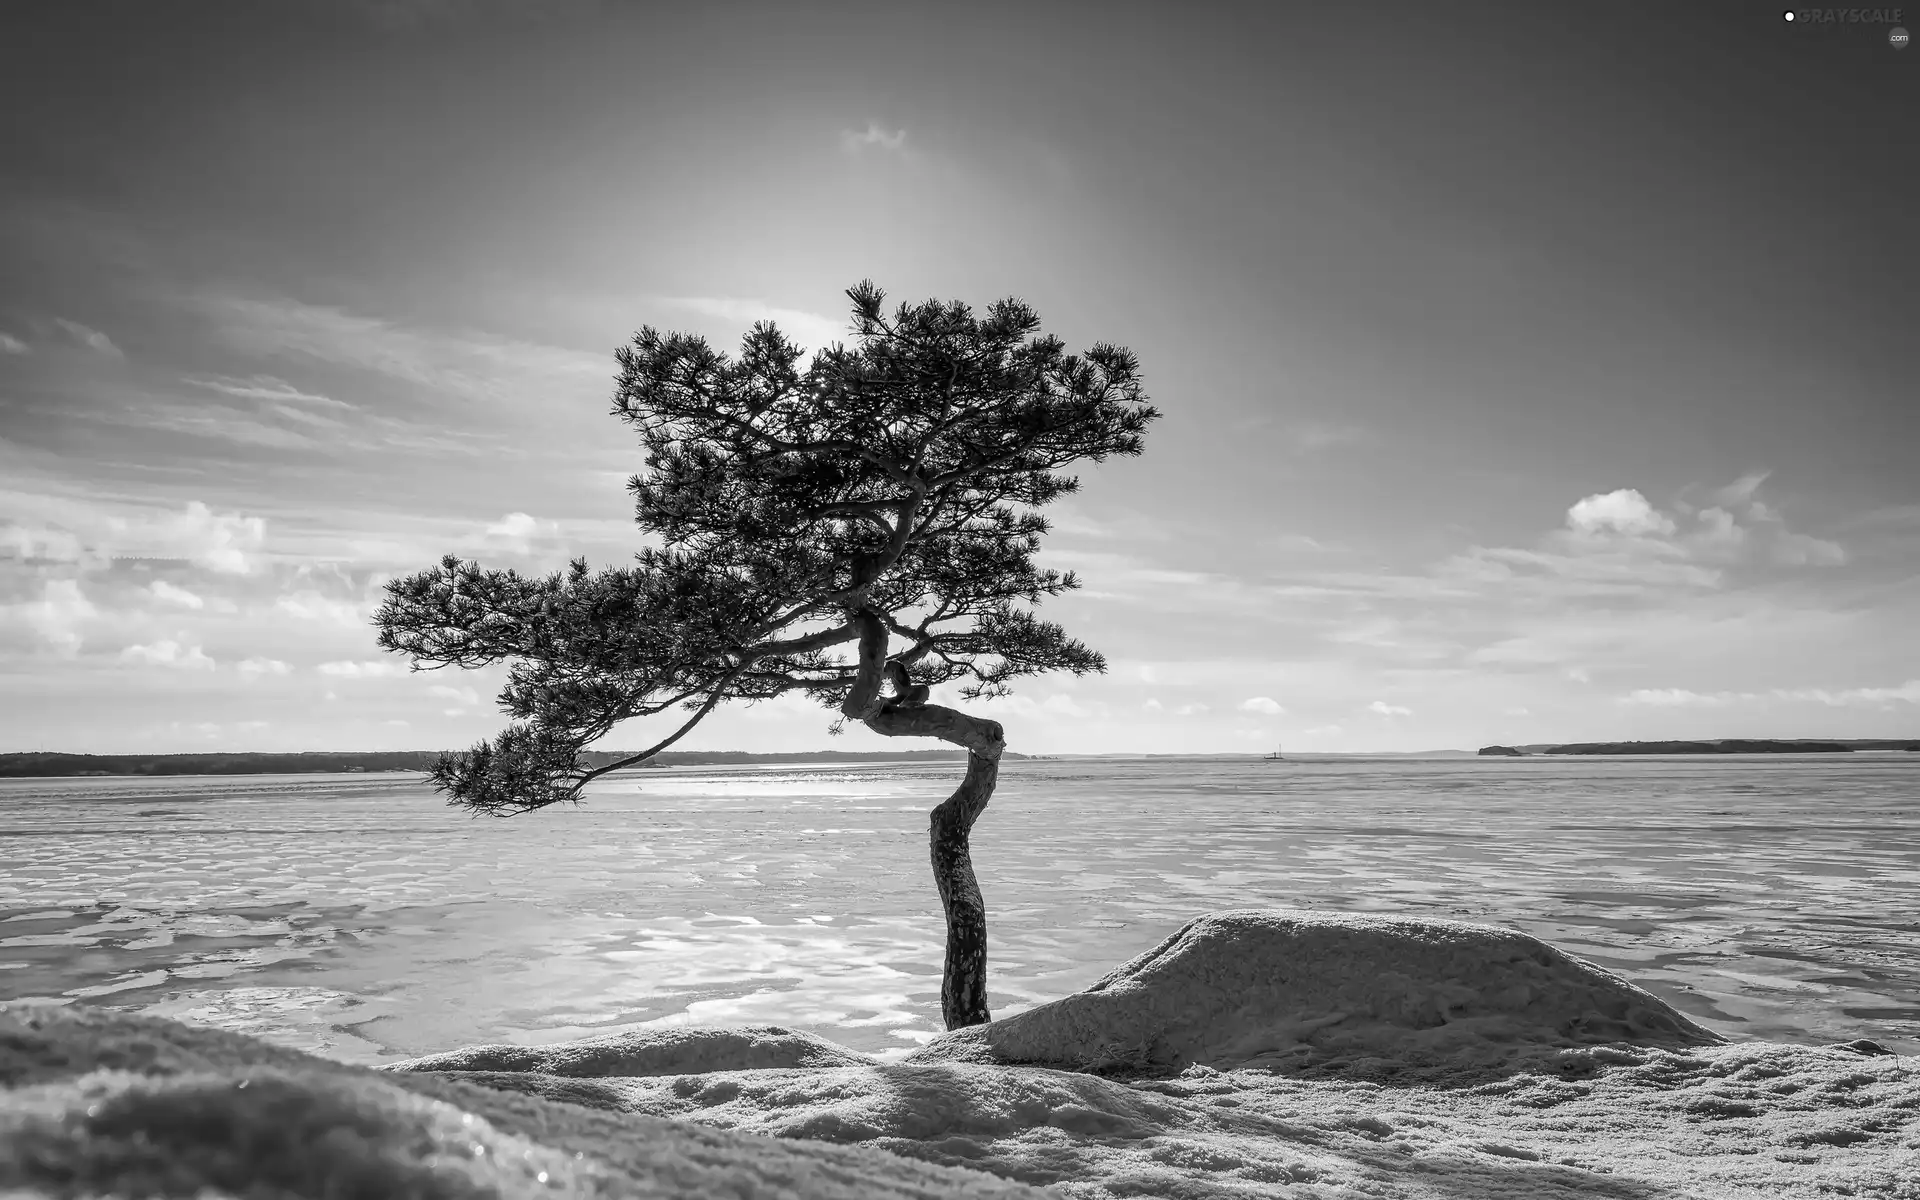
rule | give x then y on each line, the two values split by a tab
1297	990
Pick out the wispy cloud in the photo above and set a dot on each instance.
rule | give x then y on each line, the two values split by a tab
310	605
446	362
1907	693
13	345
1264	705
347	669
167	593
466	697
267	387
873	137
1382	708
56	617
89	337
169	652
243	429
808	329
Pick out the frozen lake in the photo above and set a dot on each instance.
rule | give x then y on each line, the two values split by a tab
356	916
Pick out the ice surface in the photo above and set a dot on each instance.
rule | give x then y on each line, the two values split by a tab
357	917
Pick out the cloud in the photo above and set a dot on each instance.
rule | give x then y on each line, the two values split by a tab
13	345
1804	550
447	364
1673	698
873	137
89	337
39	543
1065	706
517	532
1719	531
1262	704
275	396
1741	490
91	536
1190	710
312	606
515	525
169	653
1388	710
464	696
1617	546
57	614
361	670
255	667
1906	693
266	387
166	593
808	329
217	541
1623	511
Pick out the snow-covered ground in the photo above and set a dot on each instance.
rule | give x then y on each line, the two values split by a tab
1254	1053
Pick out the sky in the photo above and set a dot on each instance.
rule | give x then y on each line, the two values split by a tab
1526	378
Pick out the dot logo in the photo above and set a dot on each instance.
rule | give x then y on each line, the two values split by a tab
1897	39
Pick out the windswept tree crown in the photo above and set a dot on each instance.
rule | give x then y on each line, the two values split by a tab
886	486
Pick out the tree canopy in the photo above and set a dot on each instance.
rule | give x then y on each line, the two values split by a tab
883	491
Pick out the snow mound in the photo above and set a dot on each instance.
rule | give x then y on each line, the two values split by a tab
666	1051
100	1103
1293	990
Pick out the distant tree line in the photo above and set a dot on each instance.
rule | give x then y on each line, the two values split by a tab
1721	746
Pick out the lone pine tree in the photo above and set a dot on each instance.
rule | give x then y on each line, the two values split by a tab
880	497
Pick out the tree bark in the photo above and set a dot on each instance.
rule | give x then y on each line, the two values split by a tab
963	984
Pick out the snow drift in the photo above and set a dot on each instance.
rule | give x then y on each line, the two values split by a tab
1296	990
657	1051
100	1103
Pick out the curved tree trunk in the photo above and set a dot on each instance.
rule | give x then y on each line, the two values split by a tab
963	985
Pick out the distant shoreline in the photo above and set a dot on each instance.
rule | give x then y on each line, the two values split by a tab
1719	746
47	765
321	762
